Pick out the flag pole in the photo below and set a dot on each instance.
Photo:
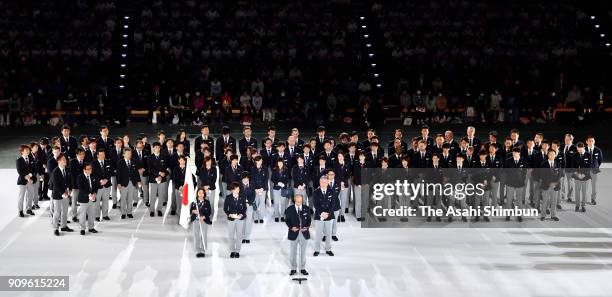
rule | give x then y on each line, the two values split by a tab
200	224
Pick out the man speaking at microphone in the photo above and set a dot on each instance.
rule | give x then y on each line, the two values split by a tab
297	218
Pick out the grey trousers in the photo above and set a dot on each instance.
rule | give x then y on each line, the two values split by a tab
260	201
434	201
235	232
60	213
452	201
102	198
214	200
280	203
594	177
113	192
514	195
144	180
335	224
26	194
35	187
495	193
344	200
178	200
549	201
248	223
157	195
302	243
358	199
74	208
567	185
87	211
324	228
200	239
127	196
482	200
580	191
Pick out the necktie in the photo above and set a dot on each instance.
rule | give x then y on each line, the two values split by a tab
299	210
26	159
63	173
128	164
89	181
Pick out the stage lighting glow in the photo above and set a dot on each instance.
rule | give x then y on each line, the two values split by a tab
122	75
123	65
607	44
123	55
363	26
126	17
125	35
125	26
362	18
592	17
124	45
373	64
597	26
378	85
602	35
366	35
369	45
371	55
121	86
376	74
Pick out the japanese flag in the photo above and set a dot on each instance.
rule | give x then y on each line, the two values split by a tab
188	197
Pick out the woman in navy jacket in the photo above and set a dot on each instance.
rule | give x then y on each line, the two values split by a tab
280	180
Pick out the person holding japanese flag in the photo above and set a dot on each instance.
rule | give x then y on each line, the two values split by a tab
192	211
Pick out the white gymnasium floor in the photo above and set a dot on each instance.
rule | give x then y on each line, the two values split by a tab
148	256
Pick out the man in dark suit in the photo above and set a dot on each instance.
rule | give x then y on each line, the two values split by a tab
88	185
429	141
140	157
204	137
104	141
596	161
102	173
567	151
473	141
373	157
321	138
128	181
581	174
68	143
421	158
224	141
60	181
114	155
266	152
324	214
533	158
550	177
235	209
25	181
158	174
246	141
76	168
515	172
297	218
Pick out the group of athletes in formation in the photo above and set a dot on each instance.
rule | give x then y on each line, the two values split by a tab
301	181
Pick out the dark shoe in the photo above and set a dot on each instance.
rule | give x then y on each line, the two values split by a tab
450	219
247	241
559	206
548	211
244	241
359	219
106	218
30	212
282	219
97	219
330	253
200	255
464	219
593	202
507	218
173	212
324	238
345	211
130	216
74	219
438	219
82	232
542	219
292	272
233	255
429	219
555	219
404	220
114	206
134	204
165	203
276	220
477	219
304	272
56	232
93	231
123	217
152	214
316	254
577	208
67	229
520	219
147	204
36	207
21	214
261	221
583	209
335	238
237	255
159	213
486	219
256	221
569	200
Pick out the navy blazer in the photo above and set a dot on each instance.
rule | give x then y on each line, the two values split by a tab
23	169
84	189
102	172
126	174
156	165
68	148
280	176
299	220
204	209
323	203
596	158
248	193
259	177
244	143
208	177
300	176
60	183
76	168
234	206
